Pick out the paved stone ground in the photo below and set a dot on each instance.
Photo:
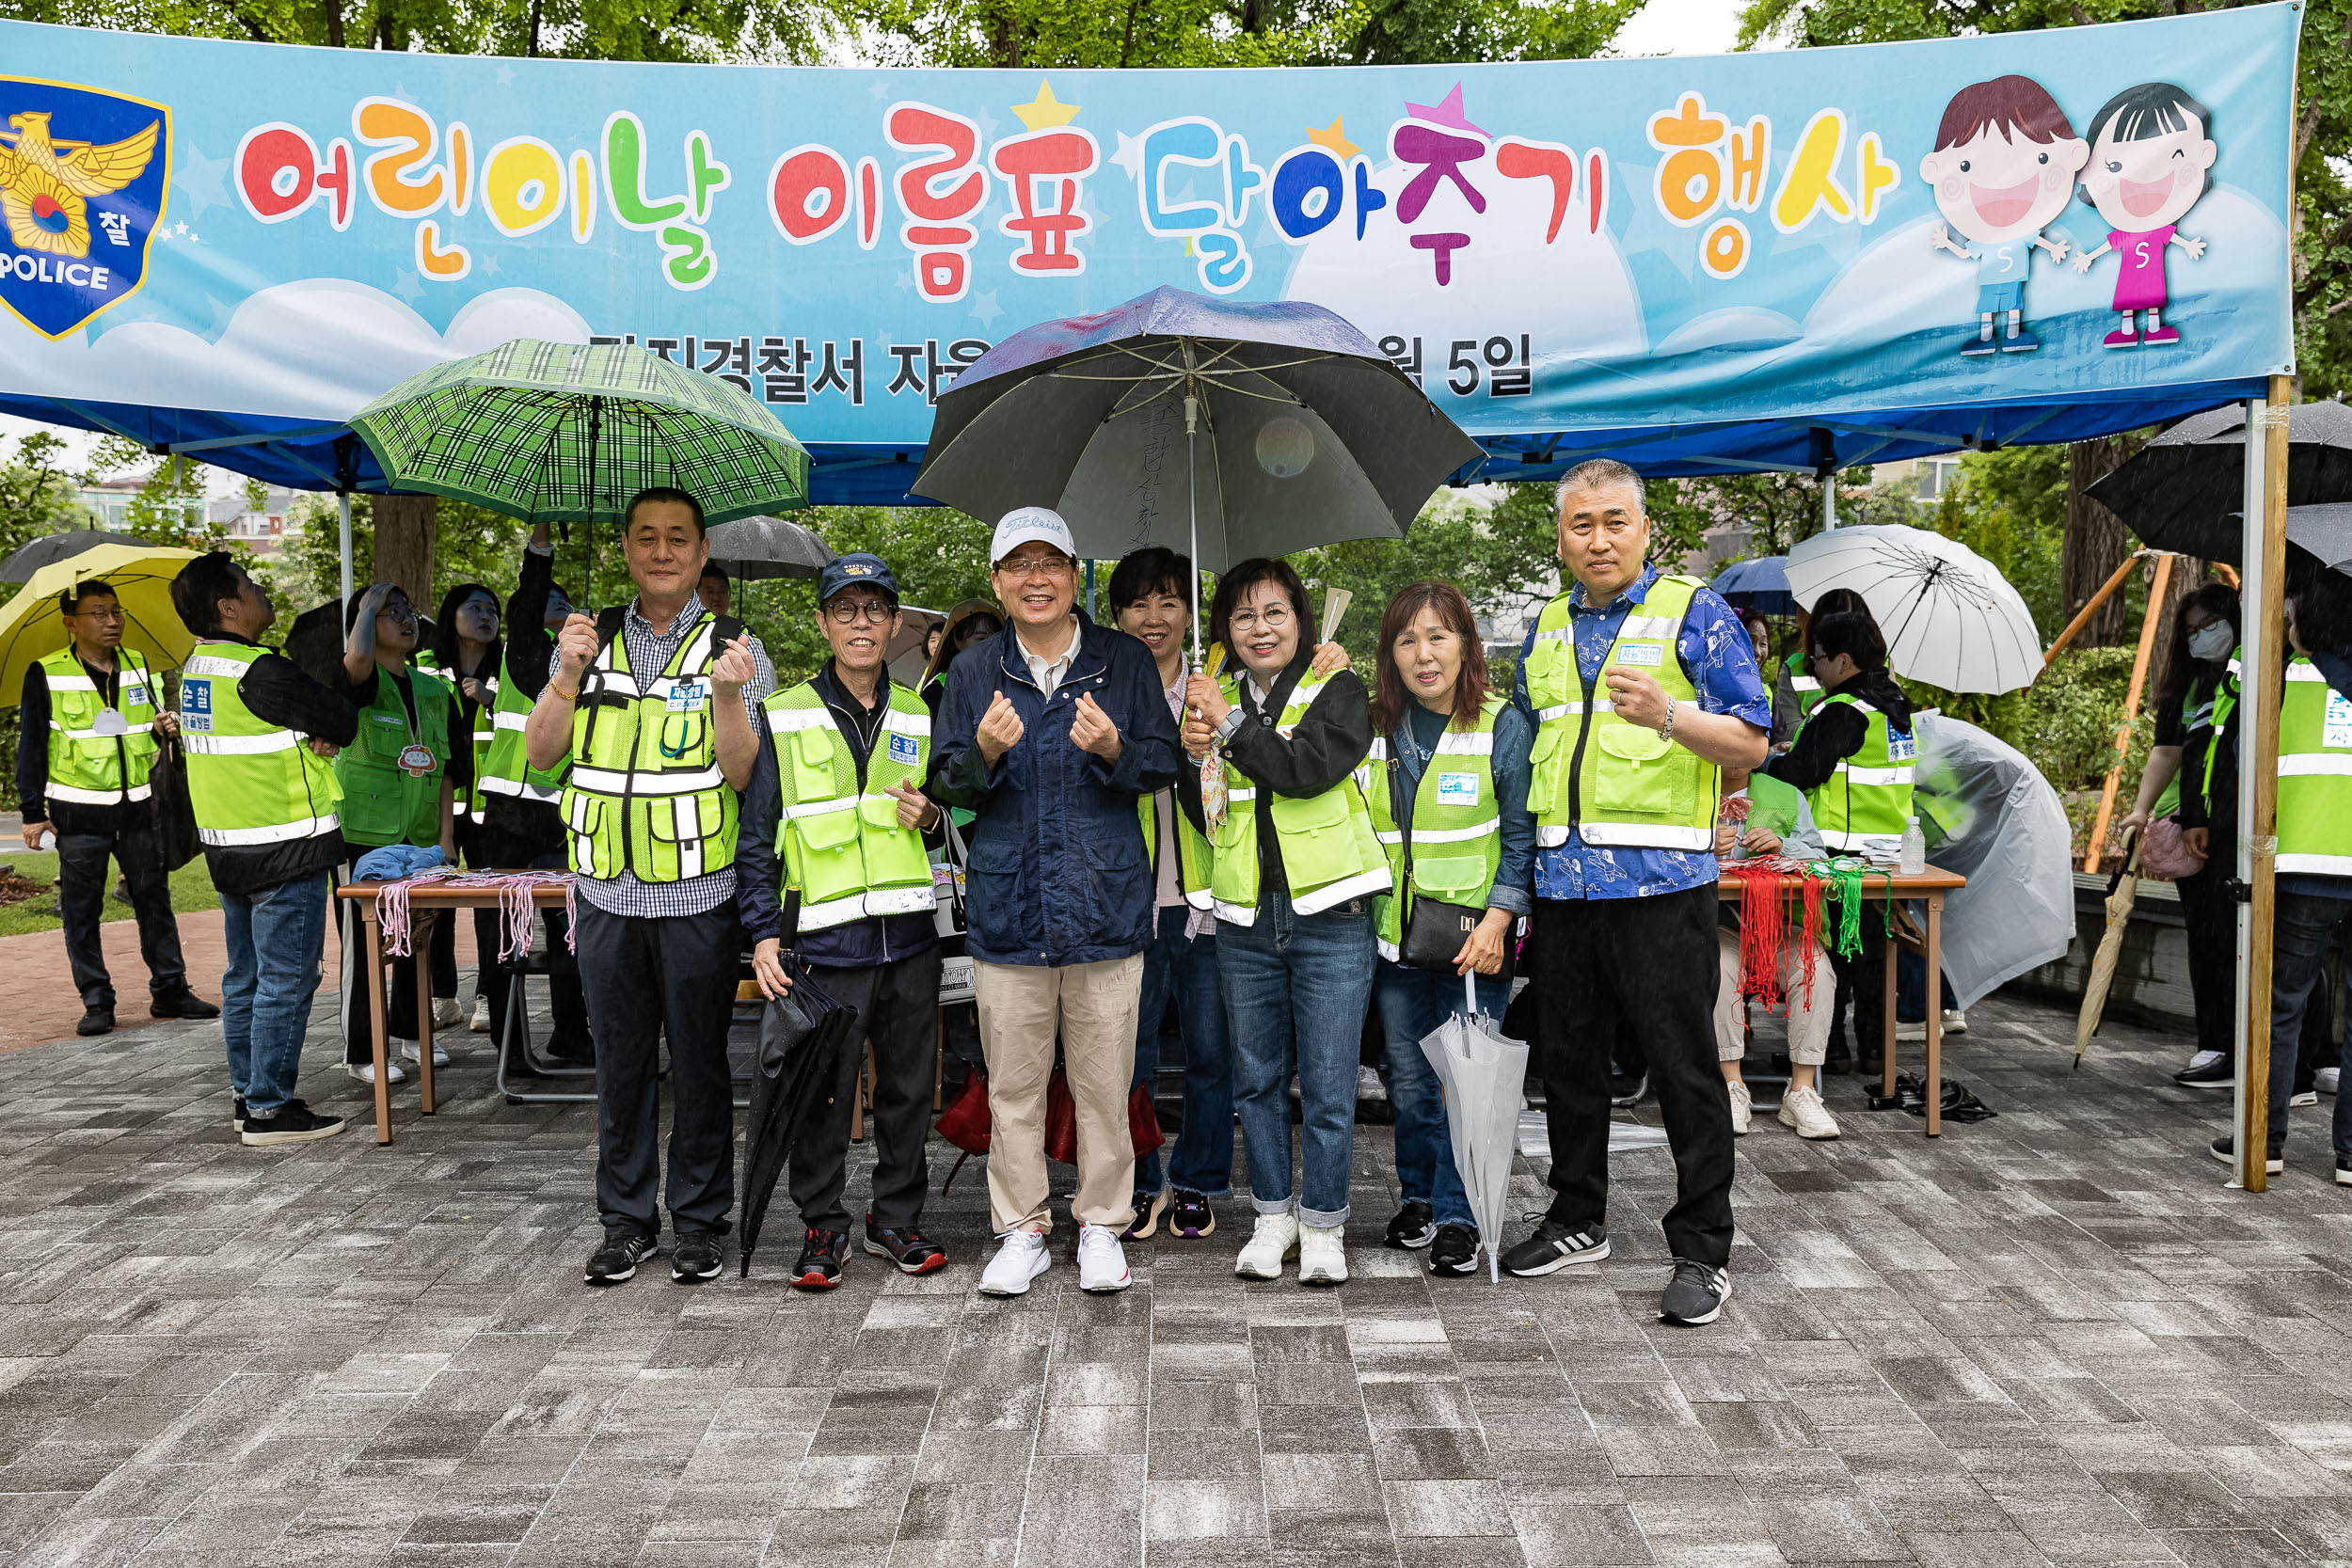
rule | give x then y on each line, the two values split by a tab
2051	1337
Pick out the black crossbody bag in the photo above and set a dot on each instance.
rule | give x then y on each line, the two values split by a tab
1434	929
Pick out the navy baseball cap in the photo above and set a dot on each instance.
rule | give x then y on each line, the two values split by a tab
858	570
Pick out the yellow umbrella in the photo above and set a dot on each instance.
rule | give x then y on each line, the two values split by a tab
32	626
2123	890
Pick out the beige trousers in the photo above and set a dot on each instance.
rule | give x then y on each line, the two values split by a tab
1808	1027
1092	1008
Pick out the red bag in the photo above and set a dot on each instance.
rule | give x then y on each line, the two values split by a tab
1061	1120
1143	1120
965	1123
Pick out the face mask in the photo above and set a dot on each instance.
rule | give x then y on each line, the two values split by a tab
2213	641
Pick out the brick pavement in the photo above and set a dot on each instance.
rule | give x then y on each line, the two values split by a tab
2053	1336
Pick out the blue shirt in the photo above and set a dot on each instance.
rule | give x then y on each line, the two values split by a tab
1514	739
1720	660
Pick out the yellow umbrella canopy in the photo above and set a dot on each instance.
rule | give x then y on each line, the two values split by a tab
32	626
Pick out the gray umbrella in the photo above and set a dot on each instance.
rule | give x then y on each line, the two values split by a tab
2323	533
768	547
49	548
1221	428
2182	491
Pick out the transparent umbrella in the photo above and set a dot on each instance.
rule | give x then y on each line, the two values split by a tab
1483	1075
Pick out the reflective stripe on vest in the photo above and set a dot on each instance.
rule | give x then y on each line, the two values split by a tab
1455	812
1613	783
250	781
1328	854
1865	803
646	794
2314	775
88	766
838	843
505	767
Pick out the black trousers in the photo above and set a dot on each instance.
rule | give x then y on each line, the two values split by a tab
400	1015
2209	919
488	848
82	884
1647	966
898	1006
1862	980
646	979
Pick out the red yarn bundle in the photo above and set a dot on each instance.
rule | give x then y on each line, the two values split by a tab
1764	923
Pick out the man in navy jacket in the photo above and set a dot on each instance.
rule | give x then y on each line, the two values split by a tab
1050	733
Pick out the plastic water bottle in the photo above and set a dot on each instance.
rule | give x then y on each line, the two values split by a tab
1915	853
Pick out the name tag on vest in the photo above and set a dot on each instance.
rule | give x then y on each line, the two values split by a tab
196	704
686	696
1904	748
2338	730
905	750
134	691
1457	789
1640	653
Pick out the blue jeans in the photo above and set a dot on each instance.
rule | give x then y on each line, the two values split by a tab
1203	1159
1412	1002
275	940
1295	991
2298	959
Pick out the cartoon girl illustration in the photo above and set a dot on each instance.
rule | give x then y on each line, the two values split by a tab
2150	159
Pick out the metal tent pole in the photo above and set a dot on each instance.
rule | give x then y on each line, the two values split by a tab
343	512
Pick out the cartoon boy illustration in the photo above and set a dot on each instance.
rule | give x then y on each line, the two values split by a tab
2151	159
2004	167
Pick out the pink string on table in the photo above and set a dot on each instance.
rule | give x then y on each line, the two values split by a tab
518	906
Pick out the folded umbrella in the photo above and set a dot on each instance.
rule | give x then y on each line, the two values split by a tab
2123	890
1485	1076
800	1041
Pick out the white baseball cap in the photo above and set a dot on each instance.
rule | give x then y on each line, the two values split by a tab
1024	523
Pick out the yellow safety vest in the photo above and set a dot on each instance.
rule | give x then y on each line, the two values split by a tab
1329	852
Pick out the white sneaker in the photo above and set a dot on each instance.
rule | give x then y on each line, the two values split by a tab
409	1048
1955	1020
1274	1243
1021	1258
1322	1256
1368	1085
1743	1107
2325	1080
480	1023
365	1072
1803	1110
1912	1031
1101	1263
445	1014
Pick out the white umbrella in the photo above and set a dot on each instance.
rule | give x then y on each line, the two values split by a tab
1951	619
1483	1075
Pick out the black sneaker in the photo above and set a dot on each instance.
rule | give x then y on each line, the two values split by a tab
181	1003
906	1249
820	1266
1414	1227
1554	1247
696	1258
236	1112
2224	1149
617	1259
1455	1251
1838	1061
1695	1295
294	1123
96	1020
2208	1070
1190	1216
564	1047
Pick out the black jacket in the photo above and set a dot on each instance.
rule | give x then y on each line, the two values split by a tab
1333	737
1837	730
277	693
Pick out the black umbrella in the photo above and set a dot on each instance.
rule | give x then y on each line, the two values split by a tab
800	1041
49	548
768	547
2323	533
315	640
2184	489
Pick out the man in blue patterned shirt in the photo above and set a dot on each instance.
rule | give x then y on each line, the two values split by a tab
1641	687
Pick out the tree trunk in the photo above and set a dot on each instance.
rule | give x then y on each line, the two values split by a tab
404	545
2096	540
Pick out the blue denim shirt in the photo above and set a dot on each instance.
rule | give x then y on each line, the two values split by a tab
1720	661
1513	739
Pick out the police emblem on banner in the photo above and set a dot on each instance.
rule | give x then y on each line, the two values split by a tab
82	178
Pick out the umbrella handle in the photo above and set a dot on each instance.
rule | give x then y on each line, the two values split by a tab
1470	993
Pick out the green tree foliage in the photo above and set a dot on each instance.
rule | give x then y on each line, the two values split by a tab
2323	126
471	545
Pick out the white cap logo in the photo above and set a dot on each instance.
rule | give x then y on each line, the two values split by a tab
1026	523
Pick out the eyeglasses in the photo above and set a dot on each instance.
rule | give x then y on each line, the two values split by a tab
1054	565
90	613
1244	622
847	611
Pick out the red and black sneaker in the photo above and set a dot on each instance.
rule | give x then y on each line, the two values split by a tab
820	1268
907	1248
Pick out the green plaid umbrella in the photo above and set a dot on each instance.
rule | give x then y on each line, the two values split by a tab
564	432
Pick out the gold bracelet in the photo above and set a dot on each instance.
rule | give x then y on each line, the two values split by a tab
571	696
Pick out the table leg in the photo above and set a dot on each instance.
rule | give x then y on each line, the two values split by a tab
420	944
1887	1024
1936	1015
372	934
